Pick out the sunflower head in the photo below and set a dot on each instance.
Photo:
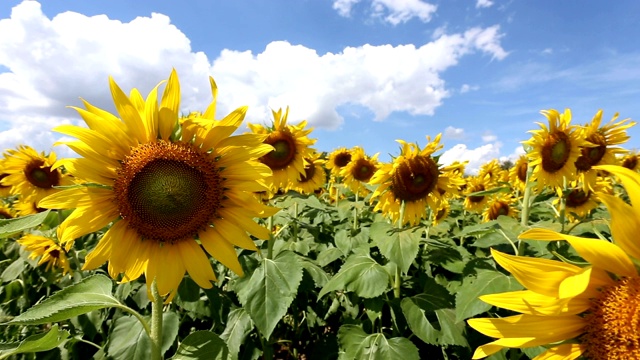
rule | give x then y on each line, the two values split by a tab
518	173
314	177
474	202
48	250
357	172
338	159
631	161
497	205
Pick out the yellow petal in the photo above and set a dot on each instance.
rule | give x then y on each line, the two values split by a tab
493	347
240	218
544	329
629	178
121	253
77	197
216	135
170	268
599	253
84	220
211	109
532	303
128	112
575	285
540	275
221	250
99	142
169	106
625	224
235	235
151	116
561	352
138	259
102	252
197	263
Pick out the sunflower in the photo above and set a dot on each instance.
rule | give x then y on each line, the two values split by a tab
475	203
455	173
48	249
491	172
357	172
290	148
499	204
338	159
27	206
555	150
631	160
518	174
167	197
579	202
587	311
313	178
412	178
6	212
5	190
600	149
30	173
441	213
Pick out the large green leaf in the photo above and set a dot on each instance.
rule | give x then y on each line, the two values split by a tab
360	274
92	293
486	282
239	325
202	345
128	340
13	271
356	344
35	343
9	227
270	290
401	247
448	332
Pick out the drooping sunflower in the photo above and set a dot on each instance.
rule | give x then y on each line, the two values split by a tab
500	204
579	202
167	197
631	160
357	172
476	203
30	173
601	148
576	311
412	178
442	212
555	150
455	173
338	159
27	206
49	251
518	174
314	177
290	148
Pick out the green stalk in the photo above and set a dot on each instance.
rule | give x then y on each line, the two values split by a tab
355	214
295	221
563	204
398	279
524	219
156	322
271	238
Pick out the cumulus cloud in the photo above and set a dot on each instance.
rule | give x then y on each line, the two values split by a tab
453	133
476	157
488	136
51	62
391	11
483	3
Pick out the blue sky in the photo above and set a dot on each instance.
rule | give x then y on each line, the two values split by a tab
362	72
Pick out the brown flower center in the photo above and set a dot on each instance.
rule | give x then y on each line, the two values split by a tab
415	178
577	197
522	171
168	191
476	198
309	171
630	162
342	159
555	152
41	176
363	170
613	323
284	150
498	208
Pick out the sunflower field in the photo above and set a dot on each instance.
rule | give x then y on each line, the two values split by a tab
179	236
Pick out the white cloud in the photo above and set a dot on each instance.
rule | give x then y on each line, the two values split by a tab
488	136
483	4
476	157
453	133
465	88
547	51
52	62
391	11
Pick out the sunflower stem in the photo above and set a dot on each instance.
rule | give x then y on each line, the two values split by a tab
295	221
355	213
563	204
271	238
156	322
398	279
524	219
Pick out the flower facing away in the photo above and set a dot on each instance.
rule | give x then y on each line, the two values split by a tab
30	173
338	159
49	251
499	204
414	178
476	203
290	148
359	171
314	176
518	174
555	150
579	202
589	311
631	161
168	197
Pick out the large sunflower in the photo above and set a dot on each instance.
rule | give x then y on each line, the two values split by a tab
414	178
359	171
590	311
167	198
30	173
555	150
290	148
601	149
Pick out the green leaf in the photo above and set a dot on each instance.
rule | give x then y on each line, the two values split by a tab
401	247
418	323
239	325
328	256
92	293
451	331
9	227
360	274
270	291
498	189
35	343
128	340
170	326
318	275
202	345
486	282
358	345
12	271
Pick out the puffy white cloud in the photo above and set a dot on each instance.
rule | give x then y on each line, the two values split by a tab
476	157
391	11
51	62
453	133
488	136
483	4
